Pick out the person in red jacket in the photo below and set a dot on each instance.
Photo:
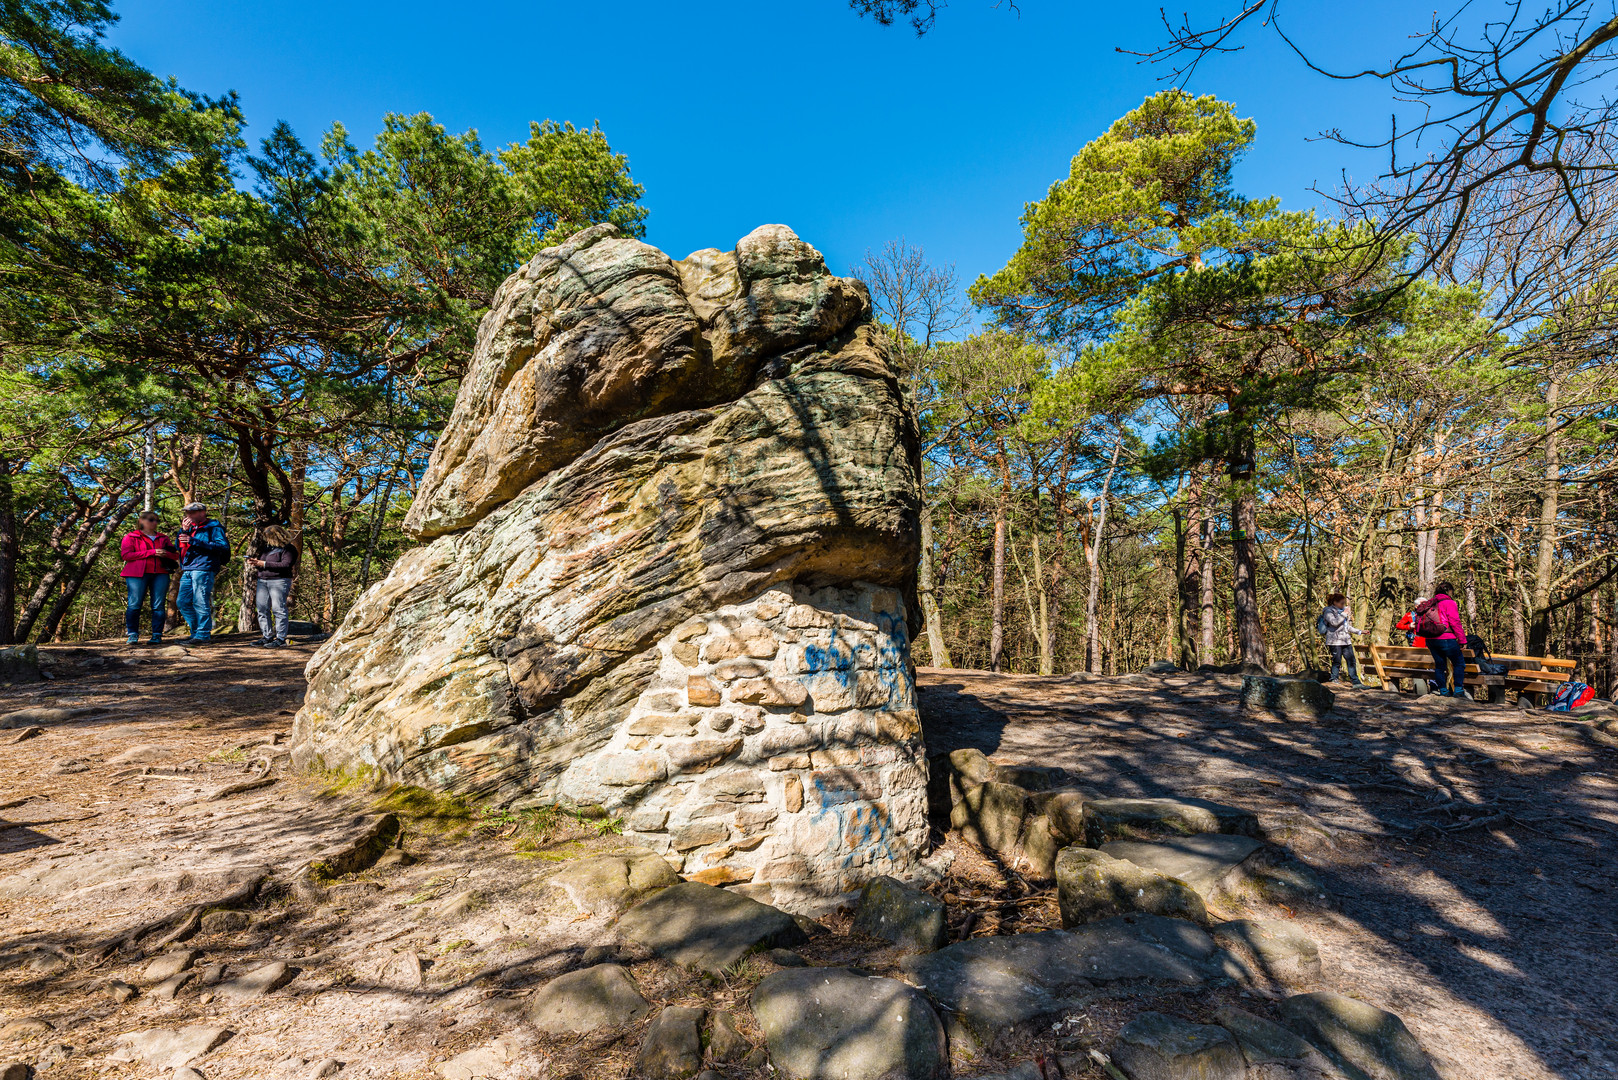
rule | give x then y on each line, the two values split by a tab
1407	623
1443	615
149	556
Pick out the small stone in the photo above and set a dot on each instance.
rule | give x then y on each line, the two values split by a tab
186	1074
29	1027
118	991
893	911
325	1067
168	965
211	975
53	1055
1157	1047
700	691
1092	885
793	796
407	970
169	987
672	1048
587	1000
1364	1041
262	980
224	922
832	1022
726	1043
785	958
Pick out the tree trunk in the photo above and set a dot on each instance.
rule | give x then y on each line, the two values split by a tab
1244	535
1519	636
1205	602
1047	655
997	587
1549	505
9	550
1093	659
932	621
81	569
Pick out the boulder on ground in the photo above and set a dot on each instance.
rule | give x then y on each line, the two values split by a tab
1366	1042
587	999
672	1048
834	1024
671	537
169	1048
1285	699
1154	1046
1267	1043
1000	987
726	1044
19	664
705	927
893	911
608	884
1214	864
1162	667
1093	885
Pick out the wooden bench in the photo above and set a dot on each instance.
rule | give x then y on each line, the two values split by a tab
1525	674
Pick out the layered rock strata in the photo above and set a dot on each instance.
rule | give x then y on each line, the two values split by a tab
671	537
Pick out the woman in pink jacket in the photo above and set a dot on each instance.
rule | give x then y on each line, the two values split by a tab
149	556
1442	614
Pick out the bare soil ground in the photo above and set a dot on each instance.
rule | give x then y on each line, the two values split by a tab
1467	848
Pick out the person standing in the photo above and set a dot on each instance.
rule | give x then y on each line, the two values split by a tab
1407	623
1439	621
204	549
274	570
1337	626
149	556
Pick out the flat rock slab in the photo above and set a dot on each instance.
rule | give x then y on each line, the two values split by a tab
1154	1046
610	883
41	714
1265	1043
1366	1042
587	1000
895	912
1093	885
169	1048
1125	819
833	1024
168	965
256	983
1208	862
705	927
991	986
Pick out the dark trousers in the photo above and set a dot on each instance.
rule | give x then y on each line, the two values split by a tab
1343	656
1447	655
149	587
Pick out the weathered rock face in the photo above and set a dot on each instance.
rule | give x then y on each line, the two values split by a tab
672	533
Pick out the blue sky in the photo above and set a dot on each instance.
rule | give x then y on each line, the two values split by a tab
734	114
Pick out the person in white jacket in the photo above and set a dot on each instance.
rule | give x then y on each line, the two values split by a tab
1337	626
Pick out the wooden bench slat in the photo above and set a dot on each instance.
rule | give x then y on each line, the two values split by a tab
1541	676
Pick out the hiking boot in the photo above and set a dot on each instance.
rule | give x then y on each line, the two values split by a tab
157	639
260	643
133	639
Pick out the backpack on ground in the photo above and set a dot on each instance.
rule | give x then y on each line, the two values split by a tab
1427	624
1570	695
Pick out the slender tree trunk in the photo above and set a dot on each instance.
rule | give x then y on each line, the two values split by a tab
1549	505
1519	635
997	587
1047	655
9	550
1092	601
1206	601
926	590
75	581
387	497
1244	532
148	463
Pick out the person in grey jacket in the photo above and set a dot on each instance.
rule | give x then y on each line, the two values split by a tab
1338	626
274	569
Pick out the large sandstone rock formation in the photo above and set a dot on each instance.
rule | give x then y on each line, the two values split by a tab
672	537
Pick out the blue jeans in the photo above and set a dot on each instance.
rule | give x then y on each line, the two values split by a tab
1447	655
195	600
153	586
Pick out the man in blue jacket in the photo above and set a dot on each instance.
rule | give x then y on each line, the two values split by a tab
204	549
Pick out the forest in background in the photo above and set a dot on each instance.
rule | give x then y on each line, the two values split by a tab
1173	423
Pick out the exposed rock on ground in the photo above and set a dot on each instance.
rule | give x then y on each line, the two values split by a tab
833	1024
704	927
672	533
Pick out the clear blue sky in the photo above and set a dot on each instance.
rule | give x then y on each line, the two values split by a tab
734	114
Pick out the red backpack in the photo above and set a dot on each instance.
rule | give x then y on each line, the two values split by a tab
1427	624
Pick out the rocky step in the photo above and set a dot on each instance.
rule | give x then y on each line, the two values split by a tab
706	927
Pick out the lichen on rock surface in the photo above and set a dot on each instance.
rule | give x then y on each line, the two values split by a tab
671	536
